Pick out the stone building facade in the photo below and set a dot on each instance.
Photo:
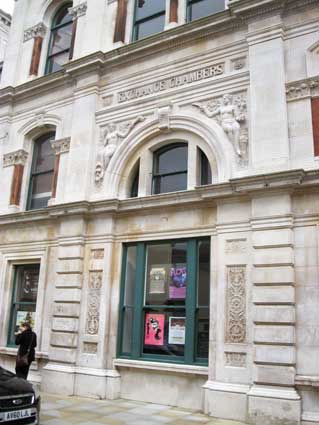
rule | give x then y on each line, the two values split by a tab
5	22
159	208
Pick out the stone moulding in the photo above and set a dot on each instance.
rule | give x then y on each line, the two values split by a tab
61	145
79	10
236	304
18	157
302	89
38	30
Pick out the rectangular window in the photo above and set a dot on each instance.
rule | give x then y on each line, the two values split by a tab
24	297
149	18
199	8
164	306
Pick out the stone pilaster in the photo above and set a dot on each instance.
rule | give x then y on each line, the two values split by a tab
274	318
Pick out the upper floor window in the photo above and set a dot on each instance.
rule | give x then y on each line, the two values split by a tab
41	173
149	18
60	40
170	168
199	8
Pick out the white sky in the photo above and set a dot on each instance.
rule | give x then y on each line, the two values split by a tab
7	5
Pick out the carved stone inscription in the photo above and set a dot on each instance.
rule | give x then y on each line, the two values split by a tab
173	82
236	305
235	359
94	299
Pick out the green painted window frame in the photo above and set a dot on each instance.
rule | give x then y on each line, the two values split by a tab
34	173
53	29
190	307
189	4
136	22
14	302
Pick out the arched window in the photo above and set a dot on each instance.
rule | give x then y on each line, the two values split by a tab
61	39
135	179
149	18
205	169
199	8
170	168
41	173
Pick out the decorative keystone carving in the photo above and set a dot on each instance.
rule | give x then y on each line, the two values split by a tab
110	139
15	158
38	30
79	10
236	304
163	114
94	299
239	63
302	89
235	359
61	145
230	112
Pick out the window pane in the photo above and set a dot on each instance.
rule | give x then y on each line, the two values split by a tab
171	183
42	184
63	17
203	273
128	321
164	332
134	188
149	8
45	155
56	62
206	7
61	39
37	203
27	284
202	329
166	274
205	169
149	27
171	160
130	276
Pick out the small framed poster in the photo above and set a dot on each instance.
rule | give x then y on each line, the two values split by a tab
176	330
157	280
154	329
178	282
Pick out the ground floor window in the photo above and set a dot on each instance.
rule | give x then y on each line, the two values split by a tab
24	297
164	305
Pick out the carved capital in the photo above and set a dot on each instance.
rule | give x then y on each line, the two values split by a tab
79	10
38	30
303	88
18	157
61	145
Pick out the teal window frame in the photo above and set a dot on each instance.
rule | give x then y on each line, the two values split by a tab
191	306
189	5
15	303
54	28
136	22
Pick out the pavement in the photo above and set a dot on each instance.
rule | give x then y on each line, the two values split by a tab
58	410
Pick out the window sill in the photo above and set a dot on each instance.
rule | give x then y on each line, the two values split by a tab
165	367
10	351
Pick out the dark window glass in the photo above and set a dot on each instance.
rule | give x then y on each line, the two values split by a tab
42	172
165	301
24	297
200	8
134	187
149	18
205	169
170	169
60	40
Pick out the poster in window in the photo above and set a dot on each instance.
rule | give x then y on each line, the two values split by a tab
178	282
176	330
154	329
157	280
24	316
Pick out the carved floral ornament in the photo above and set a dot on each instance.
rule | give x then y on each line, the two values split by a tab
111	136
77	11
230	112
301	89
236	305
61	145
94	299
18	157
38	30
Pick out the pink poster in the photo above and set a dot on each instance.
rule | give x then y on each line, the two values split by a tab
154	329
177	287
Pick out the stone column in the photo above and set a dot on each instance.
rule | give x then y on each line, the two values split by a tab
269	123
315	124
35	33
120	23
59	146
16	160
78	28
273	398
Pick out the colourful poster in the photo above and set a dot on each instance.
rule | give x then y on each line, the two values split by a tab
178	281
157	280
176	330
154	329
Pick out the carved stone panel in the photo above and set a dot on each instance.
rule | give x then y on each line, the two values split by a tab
236	305
235	246
235	359
94	300
90	347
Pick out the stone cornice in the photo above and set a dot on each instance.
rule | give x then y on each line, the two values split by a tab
302	89
38	30
61	145
14	158
246	187
79	10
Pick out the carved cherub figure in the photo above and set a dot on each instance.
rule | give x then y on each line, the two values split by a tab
229	119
